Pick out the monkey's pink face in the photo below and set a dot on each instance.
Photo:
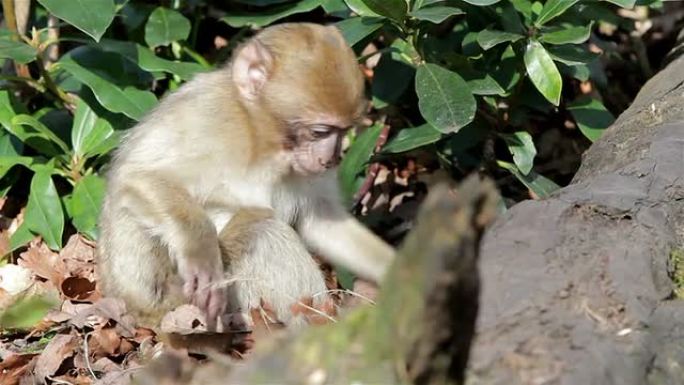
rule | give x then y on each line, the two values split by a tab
316	148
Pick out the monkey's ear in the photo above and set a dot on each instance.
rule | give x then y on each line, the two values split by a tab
251	68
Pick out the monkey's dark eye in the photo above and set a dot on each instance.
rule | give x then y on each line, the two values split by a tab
321	131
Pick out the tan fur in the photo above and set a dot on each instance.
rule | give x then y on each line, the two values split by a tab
207	154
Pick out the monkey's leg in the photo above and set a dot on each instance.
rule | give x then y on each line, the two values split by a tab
156	232
266	261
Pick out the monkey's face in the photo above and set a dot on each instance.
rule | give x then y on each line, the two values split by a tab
316	148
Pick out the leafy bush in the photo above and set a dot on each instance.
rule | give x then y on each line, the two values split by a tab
458	74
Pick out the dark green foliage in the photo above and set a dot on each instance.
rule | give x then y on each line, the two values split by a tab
455	73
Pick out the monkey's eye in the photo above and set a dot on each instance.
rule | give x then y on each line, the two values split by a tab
321	131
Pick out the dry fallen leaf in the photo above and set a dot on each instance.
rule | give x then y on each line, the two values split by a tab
13	368
61	347
43	262
14	279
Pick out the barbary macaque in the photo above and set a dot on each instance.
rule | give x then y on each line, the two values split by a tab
219	195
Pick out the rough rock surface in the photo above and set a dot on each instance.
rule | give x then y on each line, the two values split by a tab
576	288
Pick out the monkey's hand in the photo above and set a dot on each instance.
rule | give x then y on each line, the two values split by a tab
202	285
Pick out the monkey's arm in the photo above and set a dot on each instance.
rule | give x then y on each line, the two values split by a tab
330	230
166	210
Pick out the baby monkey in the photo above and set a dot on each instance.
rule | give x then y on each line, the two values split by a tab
217	197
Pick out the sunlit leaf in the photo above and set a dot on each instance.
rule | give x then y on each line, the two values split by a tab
129	100
356	29
522	148
26	312
86	201
88	130
436	14
488	38
444	98
566	34
543	72
355	160
165	26
482	2
35	134
411	138
17	51
541	186
553	9
591	116
90	16
44	215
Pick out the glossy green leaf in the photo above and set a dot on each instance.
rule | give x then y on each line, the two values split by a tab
86	201
165	26
591	116
10	145
9	161
488	38
28	129
571	54
411	138
90	16
355	160
7	109
522	148
566	34
88	130
44	215
26	312
553	9
360	8
623	3
20	237
391	9
356	29
148	61
436	14
484	84
444	98
269	15
129	100
543	72
541	186
482	3
17	51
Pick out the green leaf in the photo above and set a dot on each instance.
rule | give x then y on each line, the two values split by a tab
552	9
88	130
20	237
541	186
10	145
86	202
623	3
522	148
7	109
129	100
482	3
444	98
356	29
354	162
270	15
26	312
436	14
484	84
543	72
90	16
28	129
9	161
571	54
391	9
148	61
488	38
391	79
18	51
411	138
591	117
360	8
44	215
165	26
566	34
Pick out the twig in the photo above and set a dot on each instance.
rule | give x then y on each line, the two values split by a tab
86	355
